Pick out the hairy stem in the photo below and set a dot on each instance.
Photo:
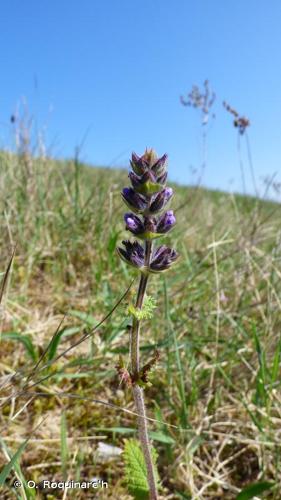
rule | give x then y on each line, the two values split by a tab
137	390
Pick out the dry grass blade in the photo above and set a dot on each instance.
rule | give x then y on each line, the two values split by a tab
6	275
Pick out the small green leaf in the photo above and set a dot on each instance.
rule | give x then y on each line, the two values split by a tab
136	469
13	462
24	339
53	346
161	437
64	447
83	316
254	490
146	312
117	430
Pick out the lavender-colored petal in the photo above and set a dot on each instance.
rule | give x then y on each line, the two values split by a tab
134	200
134	223
160	200
166	222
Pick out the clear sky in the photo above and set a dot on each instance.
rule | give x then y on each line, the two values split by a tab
114	70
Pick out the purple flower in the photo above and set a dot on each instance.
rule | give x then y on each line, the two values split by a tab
135	201
133	253
134	224
162	258
159	200
166	222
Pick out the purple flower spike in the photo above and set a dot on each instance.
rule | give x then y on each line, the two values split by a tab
133	253
166	222
160	200
162	259
135	201
134	224
147	197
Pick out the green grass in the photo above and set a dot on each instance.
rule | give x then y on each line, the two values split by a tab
215	395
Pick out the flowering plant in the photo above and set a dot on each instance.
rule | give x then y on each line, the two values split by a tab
147	198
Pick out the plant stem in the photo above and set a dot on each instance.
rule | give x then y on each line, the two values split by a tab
137	390
144	440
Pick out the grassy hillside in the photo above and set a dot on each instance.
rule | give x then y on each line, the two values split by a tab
216	389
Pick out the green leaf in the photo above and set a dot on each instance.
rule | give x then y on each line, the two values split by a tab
53	346
27	492
64	447
276	363
84	317
146	312
161	437
253	490
117	430
24	339
135	469
13	462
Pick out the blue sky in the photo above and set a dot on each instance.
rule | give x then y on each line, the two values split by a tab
114	71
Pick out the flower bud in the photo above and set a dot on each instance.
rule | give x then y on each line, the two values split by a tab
159	200
160	165
162	259
134	224
135	201
139	164
133	253
166	222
